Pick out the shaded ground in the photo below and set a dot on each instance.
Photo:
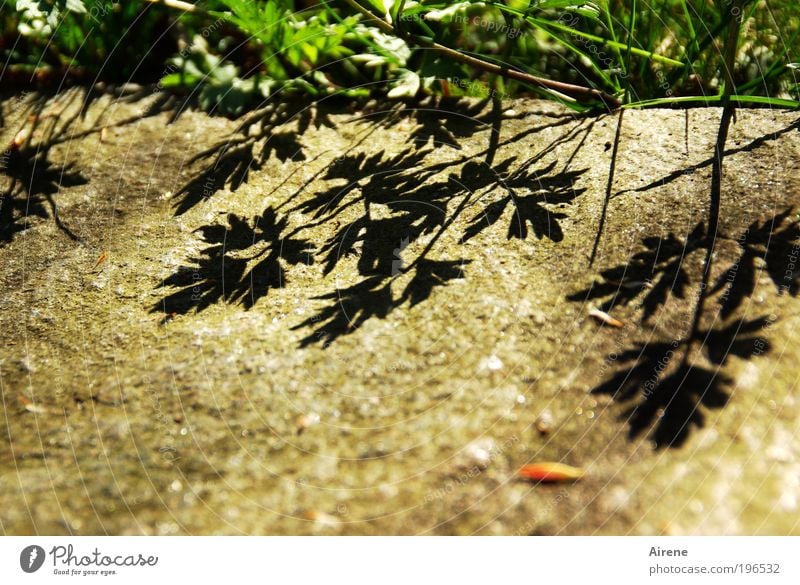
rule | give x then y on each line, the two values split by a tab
324	322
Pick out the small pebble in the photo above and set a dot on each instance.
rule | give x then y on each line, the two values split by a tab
492	363
544	422
478	453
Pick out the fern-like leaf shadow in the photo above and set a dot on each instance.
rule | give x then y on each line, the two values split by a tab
651	275
670	398
260	136
543	188
668	385
242	262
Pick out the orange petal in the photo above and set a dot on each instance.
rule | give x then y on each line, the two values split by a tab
550	472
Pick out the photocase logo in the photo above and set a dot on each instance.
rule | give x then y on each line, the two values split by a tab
31	558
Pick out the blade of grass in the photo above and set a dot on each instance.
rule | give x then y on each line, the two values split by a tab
627	64
716	100
651	55
690	26
593	63
610	25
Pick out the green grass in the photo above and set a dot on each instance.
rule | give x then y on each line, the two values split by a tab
232	54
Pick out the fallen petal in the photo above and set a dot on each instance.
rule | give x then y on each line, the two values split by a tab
548	472
606	318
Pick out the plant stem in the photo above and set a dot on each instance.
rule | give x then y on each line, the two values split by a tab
575	91
728	112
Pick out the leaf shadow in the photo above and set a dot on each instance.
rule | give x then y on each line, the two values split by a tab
771	244
34	181
260	136
651	275
541	189
34	178
668	385
383	214
669	398
241	263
